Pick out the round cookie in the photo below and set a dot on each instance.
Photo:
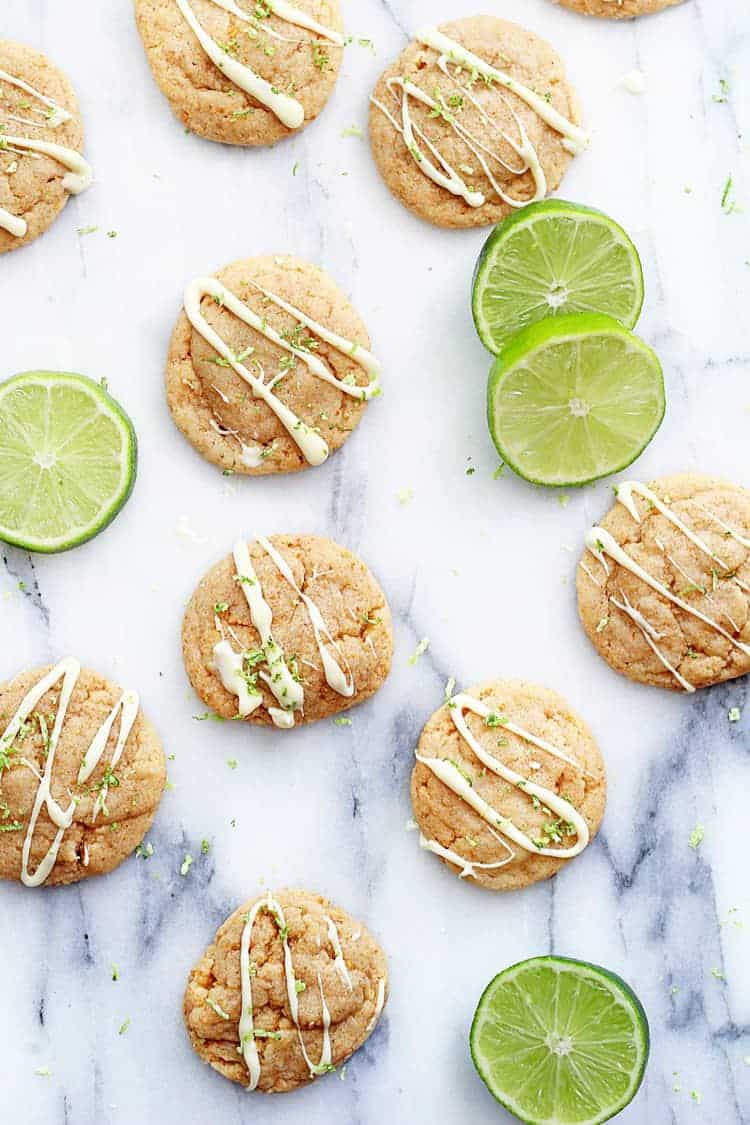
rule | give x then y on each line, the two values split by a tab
689	626
536	803
210	81
212	403
102	811
337	967
43	108
460	106
618	9
299	673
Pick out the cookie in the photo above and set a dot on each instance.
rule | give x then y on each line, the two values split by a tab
244	74
290	988
269	367
618	9
509	784
664	582
41	144
287	630
81	775
475	118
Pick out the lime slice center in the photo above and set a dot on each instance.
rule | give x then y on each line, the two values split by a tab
557	295
578	407
560	1045
45	459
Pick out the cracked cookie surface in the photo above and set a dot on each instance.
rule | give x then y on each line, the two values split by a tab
528	60
91	845
352	605
213	998
445	818
618	9
204	99
31	186
215	408
717	587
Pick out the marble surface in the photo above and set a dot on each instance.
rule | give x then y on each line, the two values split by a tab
482	567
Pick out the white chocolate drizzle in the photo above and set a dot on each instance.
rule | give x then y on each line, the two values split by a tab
429	158
287	687
68	670
453	777
79	175
312	446
601	543
248	1046
288	110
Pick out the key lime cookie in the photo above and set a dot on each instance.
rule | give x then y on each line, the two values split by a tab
664	582
41	142
269	368
509	784
82	772
618	9
246	73
290	987
474	119
287	629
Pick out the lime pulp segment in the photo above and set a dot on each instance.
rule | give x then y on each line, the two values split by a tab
574	398
549	259
560	1042
68	456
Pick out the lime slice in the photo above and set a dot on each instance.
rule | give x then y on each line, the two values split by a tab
560	1042
552	258
574	398
68	457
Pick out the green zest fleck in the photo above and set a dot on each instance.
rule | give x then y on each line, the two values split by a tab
342	721
697	837
216	1008
351	131
467	777
115	973
124	1027
144	851
421	648
735	715
187	863
495	720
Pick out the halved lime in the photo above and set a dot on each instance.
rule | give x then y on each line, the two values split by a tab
68	455
549	259
574	398
560	1042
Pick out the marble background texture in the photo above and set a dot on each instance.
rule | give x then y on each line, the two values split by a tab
482	567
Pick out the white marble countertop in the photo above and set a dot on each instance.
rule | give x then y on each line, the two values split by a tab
327	808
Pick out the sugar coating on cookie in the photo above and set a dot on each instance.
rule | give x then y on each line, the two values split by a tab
287	629
664	582
509	784
618	9
243	73
41	144
82	773
474	119
290	987
269	368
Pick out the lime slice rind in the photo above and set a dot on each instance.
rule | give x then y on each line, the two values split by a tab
553	258
592	1041
68	460
573	399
